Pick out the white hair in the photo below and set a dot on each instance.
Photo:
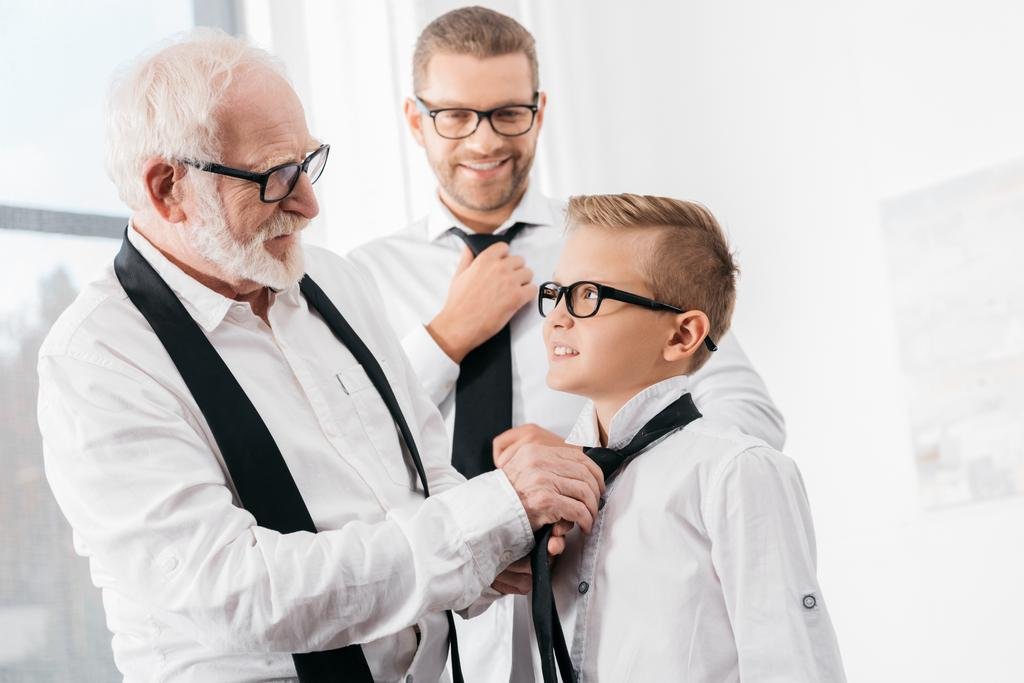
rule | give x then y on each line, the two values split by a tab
165	104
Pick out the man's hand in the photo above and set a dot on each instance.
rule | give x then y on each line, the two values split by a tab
556	483
518	576
484	294
508	443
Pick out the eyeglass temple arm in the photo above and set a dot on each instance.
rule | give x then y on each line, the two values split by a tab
612	293
228	171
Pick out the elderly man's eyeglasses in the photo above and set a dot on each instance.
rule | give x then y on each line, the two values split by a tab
278	182
454	124
583	300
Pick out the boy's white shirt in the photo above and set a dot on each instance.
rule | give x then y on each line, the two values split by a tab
413	268
701	565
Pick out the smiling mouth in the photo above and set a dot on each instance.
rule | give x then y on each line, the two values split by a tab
484	166
562	350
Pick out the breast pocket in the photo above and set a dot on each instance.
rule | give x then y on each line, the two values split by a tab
377	424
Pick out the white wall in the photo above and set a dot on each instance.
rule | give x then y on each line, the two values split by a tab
791	121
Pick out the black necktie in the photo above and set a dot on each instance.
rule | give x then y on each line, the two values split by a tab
256	467
550	638
483	392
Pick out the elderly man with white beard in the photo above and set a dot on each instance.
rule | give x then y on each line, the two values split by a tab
243	452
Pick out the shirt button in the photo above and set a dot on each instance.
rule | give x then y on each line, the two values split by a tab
583	587
810	602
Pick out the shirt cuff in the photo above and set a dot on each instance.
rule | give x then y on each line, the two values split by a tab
492	518
437	372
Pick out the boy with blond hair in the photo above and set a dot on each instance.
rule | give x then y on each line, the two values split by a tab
701	563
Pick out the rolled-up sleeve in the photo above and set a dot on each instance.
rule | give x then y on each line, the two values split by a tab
149	504
762	547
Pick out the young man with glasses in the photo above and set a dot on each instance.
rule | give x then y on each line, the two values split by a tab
701	565
459	282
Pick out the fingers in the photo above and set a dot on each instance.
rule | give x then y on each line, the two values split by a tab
508	443
576	455
561	528
521	566
511	581
509	447
573	510
580	491
547	470
556	483
582	470
503	441
498	250
464	260
556	545
508	588
527	293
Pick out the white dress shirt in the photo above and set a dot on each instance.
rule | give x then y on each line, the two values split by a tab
193	589
413	269
701	564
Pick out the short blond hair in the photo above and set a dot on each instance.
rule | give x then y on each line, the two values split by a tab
689	264
475	31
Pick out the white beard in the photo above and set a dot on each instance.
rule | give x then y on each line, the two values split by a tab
246	260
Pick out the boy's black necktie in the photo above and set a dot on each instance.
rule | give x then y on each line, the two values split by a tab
550	638
483	392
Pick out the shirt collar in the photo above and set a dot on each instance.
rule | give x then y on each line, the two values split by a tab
631	417
532	209
206	306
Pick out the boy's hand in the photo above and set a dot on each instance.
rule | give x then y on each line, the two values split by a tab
484	294
556	483
507	443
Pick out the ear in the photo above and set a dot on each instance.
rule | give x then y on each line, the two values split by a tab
163	188
690	330
542	103
414	119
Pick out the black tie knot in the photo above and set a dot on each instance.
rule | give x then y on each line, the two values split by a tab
608	459
478	241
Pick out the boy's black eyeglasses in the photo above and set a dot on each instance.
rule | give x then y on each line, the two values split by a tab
512	120
278	182
583	299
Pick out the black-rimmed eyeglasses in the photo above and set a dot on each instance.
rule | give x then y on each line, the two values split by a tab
583	300
511	120
278	182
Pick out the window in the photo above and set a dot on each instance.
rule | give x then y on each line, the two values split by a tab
60	221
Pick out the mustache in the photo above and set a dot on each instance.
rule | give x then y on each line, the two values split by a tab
500	154
281	224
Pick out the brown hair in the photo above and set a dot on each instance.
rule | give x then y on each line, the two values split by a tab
689	264
476	31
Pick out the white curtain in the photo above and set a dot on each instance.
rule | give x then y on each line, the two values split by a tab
801	125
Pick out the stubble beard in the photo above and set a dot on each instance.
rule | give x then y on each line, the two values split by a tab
462	191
